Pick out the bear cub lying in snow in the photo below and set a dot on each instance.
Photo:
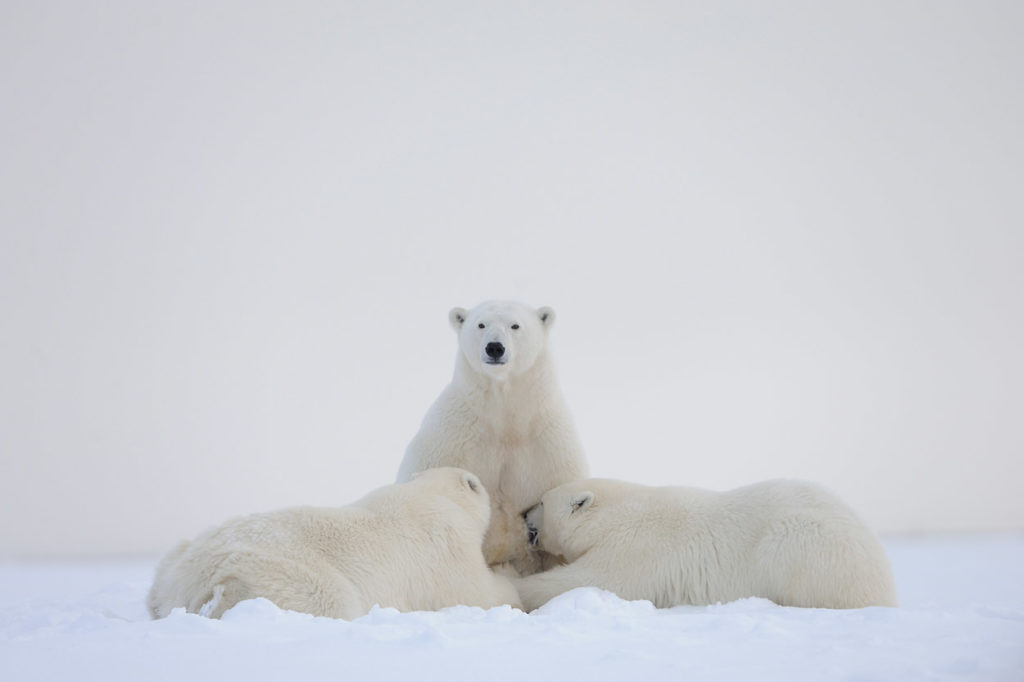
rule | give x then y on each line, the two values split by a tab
787	541
412	546
503	418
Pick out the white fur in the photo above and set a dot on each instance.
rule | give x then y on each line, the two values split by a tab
411	546
787	541
506	423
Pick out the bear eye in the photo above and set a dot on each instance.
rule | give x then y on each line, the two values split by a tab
515	326
481	325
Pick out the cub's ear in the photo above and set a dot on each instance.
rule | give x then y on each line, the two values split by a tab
547	316
472	482
456	317
581	501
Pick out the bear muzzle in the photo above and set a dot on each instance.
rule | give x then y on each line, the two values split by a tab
532	518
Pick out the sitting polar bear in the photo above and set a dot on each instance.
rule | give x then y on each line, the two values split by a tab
413	546
787	541
503	418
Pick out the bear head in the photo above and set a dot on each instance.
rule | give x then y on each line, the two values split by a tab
574	517
502	338
459	486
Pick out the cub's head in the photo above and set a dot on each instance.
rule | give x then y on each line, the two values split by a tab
573	518
459	486
502	338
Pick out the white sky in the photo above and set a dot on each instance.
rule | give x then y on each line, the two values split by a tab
781	240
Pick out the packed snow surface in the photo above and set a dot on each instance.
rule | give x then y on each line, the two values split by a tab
961	618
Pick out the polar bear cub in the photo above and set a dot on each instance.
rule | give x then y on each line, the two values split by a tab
413	546
503	418
787	541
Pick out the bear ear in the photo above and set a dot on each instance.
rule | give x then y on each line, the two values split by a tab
471	482
456	316
547	316
581	501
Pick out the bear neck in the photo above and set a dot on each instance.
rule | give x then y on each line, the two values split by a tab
524	393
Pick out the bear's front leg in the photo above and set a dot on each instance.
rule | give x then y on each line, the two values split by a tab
540	588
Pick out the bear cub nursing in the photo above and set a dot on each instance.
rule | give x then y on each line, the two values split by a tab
412	546
497	448
788	541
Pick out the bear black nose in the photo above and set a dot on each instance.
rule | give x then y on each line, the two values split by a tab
531	536
494	350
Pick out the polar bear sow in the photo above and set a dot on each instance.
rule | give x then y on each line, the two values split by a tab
787	541
503	418
413	546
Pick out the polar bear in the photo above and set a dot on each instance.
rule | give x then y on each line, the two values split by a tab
503	418
788	541
412	546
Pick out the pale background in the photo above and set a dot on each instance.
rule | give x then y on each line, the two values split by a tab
782	240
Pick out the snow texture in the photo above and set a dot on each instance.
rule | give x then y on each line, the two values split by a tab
961	618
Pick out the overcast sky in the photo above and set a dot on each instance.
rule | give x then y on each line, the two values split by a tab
782	239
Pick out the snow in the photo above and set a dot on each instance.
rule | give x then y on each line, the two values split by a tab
961	618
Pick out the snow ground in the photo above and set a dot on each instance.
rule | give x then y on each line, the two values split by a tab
961	618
